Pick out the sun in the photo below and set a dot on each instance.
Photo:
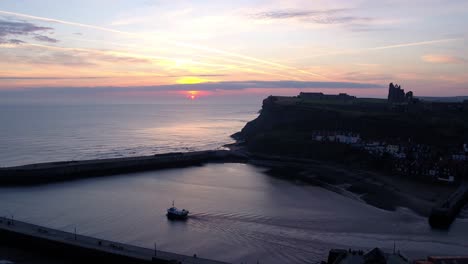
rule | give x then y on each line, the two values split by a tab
192	95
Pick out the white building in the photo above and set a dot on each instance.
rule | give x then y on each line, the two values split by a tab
392	149
399	155
459	157
348	139
318	138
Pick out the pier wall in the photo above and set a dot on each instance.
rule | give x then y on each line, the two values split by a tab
76	248
444	214
63	171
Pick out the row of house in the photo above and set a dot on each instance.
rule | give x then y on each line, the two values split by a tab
462	155
340	137
410	159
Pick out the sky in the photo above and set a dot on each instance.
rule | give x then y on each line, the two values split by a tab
156	49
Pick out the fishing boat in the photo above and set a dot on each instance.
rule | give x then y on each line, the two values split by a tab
173	213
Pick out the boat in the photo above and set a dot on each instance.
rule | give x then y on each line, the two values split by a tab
173	213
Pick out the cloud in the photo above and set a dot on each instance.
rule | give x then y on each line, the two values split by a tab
261	63
208	86
11	41
15	78
53	55
330	16
240	85
45	39
443	59
21	28
198	75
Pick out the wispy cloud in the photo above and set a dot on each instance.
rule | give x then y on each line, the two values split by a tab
21	28
11	41
442	59
13	78
330	16
72	56
198	75
262	85
257	62
18	28
45	39
210	86
285	14
343	17
394	46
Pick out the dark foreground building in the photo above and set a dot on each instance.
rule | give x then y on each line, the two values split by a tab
375	256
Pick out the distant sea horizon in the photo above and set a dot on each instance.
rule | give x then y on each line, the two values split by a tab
36	133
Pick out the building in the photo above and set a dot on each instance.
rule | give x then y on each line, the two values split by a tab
398	95
393	149
345	138
460	157
443	260
375	256
348	139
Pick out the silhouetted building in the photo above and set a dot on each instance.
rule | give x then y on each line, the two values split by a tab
398	95
409	96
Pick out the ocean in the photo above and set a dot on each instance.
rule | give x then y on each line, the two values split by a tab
239	213
40	133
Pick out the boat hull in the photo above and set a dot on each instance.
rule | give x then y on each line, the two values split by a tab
177	216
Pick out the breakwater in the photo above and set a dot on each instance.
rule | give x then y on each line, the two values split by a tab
444	214
68	170
76	247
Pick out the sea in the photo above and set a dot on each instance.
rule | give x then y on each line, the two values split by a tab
239	213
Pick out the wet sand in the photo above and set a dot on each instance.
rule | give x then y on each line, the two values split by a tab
377	189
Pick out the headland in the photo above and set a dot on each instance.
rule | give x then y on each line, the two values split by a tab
389	153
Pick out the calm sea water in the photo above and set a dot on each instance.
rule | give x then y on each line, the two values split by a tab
31	134
239	213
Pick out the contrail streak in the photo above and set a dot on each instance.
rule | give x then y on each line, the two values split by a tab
401	45
414	44
148	57
228	60
180	44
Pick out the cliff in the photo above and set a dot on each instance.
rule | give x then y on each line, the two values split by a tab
286	126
